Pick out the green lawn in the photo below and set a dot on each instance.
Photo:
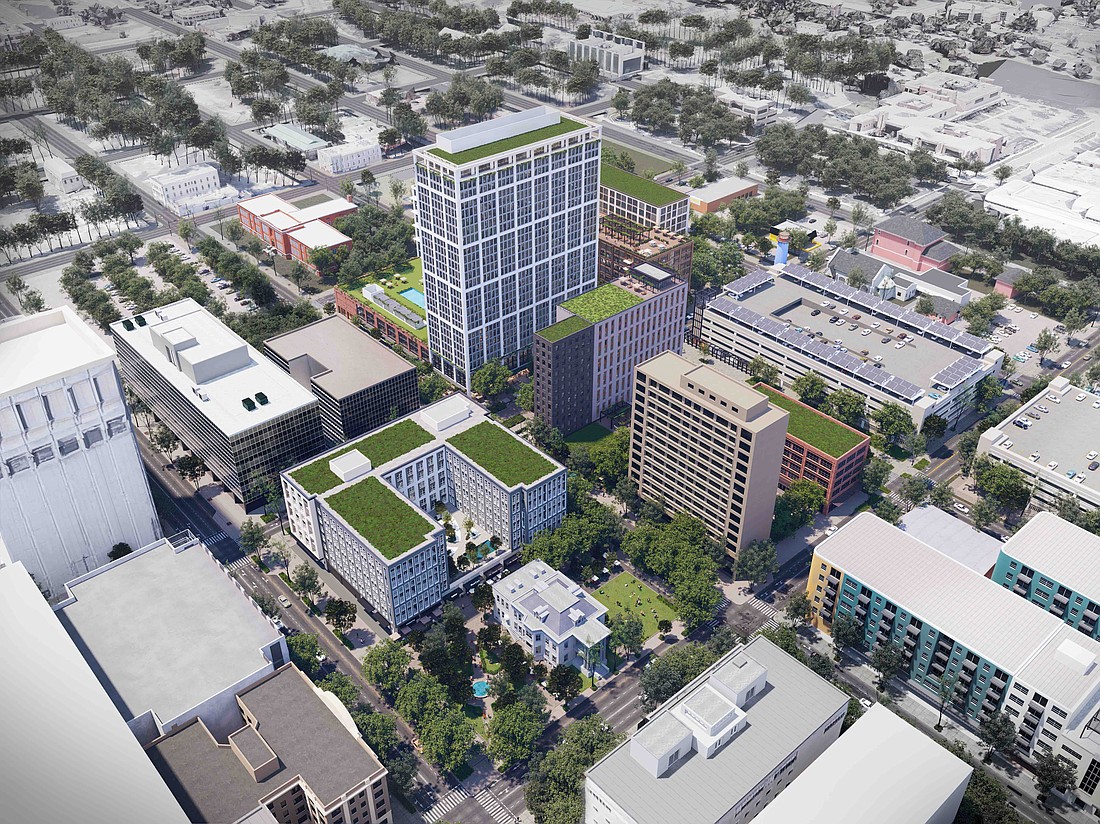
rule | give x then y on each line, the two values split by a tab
413	272
381	447
586	682
501	454
813	427
623	588
593	433
602	302
312	200
509	143
489	662
642	160
645	190
374	511
475	719
556	331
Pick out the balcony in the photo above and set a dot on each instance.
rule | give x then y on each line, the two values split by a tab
913	630
1061	599
882	638
888	614
969	666
1019	590
989	706
864	599
941	655
910	642
861	613
1023	579
965	678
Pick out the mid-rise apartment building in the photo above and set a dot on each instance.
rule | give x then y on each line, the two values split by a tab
293	232
708	445
584	362
359	383
295	756
723	747
192	638
507	214
643	201
617	56
370	510
234	408
624	244
819	448
72	483
801	321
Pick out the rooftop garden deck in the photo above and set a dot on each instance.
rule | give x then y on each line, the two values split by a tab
556	331
377	513
501	454
602	302
381	447
509	143
813	427
645	190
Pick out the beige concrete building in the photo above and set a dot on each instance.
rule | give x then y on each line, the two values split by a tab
709	445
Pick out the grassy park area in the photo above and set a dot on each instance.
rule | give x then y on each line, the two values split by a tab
622	595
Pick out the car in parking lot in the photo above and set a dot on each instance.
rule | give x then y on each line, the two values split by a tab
963	508
1091	456
1033	457
1093	466
1052	465
865	333
1080	397
815	313
885	340
899	344
1043	409
1034	416
852	327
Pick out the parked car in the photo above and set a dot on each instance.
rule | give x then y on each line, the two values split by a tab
963	508
284	602
1093	466
815	313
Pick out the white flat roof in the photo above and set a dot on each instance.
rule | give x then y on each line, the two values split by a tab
1059	550
179	174
224	391
721	188
47	346
317	234
490	131
953	537
58	166
71	757
881	763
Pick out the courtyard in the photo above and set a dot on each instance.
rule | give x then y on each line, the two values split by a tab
626	595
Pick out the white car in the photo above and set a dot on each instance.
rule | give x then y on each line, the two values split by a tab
1091	456
865	333
878	358
830	530
1052	465
1096	404
284	602
1080	397
899	344
866	703
842	311
963	508
1033	457
1066	364
875	324
1033	315
1017	310
824	303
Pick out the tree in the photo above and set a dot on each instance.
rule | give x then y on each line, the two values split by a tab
941	496
914	490
253	541
857	278
986	392
846	632
925	305
386	666
446	738
267	604
756	562
191	468
984	512
945	692
797	610
564	683
513	662
525	397
483	598
186	230
554	784
119	550
1002	172
666	674
1052	772
343	687
306	581
888	511
304	650
997	732
762	370
664	626
811	389
164	440
1046	342
513	733
894	422
846	406
340	614
491	379
1073	321
420	698
627	633
934	426
887	660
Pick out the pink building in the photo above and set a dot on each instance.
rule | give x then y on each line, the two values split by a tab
912	244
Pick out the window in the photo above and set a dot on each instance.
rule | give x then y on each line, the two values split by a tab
1092	777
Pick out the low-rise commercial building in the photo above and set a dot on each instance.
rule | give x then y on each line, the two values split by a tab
623	244
190	15
617	56
234	408
72	483
369	509
890	281
189	190
819	449
912	244
1058	431
966	95
295	755
59	722
643	201
62	176
360	383
350	157
707	445
759	111
1062	199
294	137
802	321
191	639
882	763
410	334
723	747
554	619
584	363
716	196
293	232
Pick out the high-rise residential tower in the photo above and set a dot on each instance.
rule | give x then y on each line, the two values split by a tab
507	218
71	480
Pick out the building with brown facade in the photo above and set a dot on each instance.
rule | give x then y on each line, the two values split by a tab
624	244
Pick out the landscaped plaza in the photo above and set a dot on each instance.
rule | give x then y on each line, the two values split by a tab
626	595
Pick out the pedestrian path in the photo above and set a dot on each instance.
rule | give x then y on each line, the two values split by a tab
240	563
439	810
763	607
213	539
498	811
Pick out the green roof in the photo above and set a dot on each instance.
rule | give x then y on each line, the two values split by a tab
645	190
501	454
813	427
376	512
556	331
381	447
509	143
602	302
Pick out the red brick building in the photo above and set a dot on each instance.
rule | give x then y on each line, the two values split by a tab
352	308
294	232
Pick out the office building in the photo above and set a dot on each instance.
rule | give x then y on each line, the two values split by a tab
758	111
617	56
624	244
819	449
295	138
643	201
881	764
1060	198
235	409
802	321
1052	563
350	157
555	620
70	755
190	15
72	484
716	196
294	757
359	383
62	176
723	747
293	232
954	624
967	95
368	509
507	215
171	636
707	445
189	190
584	363
1050	439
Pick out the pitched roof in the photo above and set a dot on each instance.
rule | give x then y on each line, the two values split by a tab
941	250
912	229
844	262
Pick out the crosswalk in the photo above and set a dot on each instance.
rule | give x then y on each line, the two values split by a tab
770	613
439	809
215	538
240	563
498	811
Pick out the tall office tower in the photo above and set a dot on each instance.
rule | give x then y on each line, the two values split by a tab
71	480
506	218
707	445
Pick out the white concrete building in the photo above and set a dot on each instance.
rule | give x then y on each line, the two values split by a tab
368	509
721	748
618	57
507	222
1050	439
190	15
188	190
554	619
1063	199
62	176
966	95
761	111
350	157
72	483
191	640
881	763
